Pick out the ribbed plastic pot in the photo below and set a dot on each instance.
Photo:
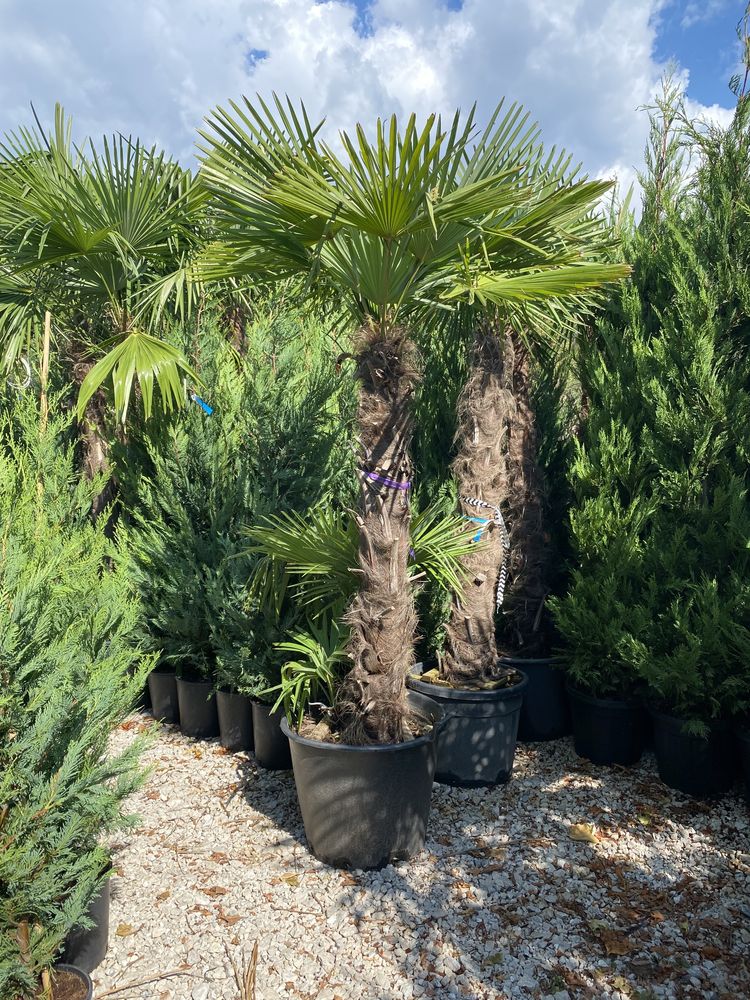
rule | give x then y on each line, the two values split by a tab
198	715
366	807
80	975
545	712
695	765
235	720
742	737
162	687
86	948
607	730
271	743
477	742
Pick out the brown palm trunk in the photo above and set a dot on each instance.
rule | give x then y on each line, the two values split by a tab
496	462
523	626
485	415
371	705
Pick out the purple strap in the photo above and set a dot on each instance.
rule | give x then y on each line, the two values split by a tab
387	481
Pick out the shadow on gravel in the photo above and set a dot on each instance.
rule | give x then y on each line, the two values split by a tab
271	793
506	896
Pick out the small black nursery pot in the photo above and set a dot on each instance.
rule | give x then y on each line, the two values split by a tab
86	948
742	738
162	687
235	720
545	712
271	743
71	983
477	742
607	730
700	766
366	806
197	701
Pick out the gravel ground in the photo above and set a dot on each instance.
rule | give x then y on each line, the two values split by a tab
504	902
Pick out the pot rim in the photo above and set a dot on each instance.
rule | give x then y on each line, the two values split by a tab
196	680
83	976
371	747
547	660
715	725
634	702
466	694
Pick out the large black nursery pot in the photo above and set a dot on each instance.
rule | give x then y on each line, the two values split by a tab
608	730
477	742
700	766
366	807
271	743
197	701
162	688
545	713
235	720
742	737
68	977
86	948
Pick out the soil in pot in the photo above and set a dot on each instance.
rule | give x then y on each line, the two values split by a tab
235	720
271	743
607	730
197	702
545	712
477	743
162	687
70	983
86	948
742	737
700	766
366	807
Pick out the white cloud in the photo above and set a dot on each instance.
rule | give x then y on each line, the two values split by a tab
581	67
704	10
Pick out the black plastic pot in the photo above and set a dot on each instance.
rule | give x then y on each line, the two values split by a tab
700	766
162	687
607	730
197	701
366	807
86	948
80	975
742	737
271	744
545	713
478	737
235	720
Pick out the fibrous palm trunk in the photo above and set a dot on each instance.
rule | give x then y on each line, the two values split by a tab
485	413
496	462
371	704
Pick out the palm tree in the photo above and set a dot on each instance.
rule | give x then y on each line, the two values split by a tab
496	469
392	229
94	238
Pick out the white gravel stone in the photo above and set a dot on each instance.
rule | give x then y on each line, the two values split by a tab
501	905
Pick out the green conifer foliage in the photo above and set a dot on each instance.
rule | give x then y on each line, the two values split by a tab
278	440
661	522
70	672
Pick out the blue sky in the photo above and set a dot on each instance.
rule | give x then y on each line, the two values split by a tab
701	36
584	69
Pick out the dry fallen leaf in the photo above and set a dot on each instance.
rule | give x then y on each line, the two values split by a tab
615	943
214	891
584	832
620	983
163	895
290	879
230	919
125	930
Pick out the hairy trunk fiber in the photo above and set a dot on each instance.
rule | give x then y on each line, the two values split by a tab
485	416
93	445
371	705
497	462
523	626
